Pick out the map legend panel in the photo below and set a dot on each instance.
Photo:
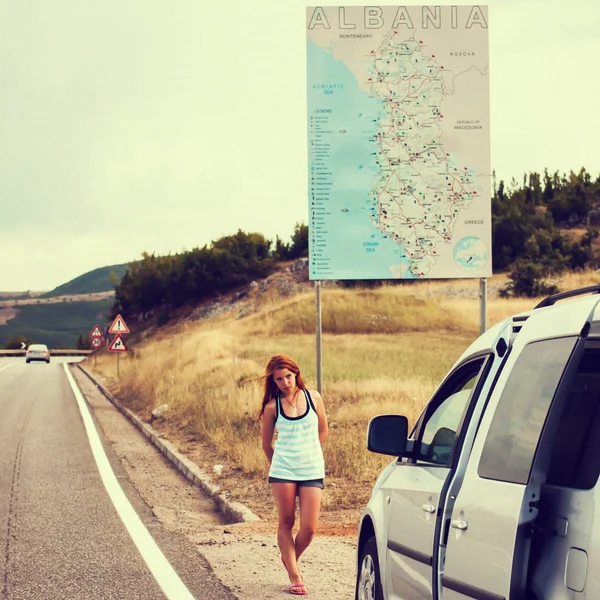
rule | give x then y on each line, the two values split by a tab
320	183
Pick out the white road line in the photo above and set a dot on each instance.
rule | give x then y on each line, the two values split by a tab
163	572
8	366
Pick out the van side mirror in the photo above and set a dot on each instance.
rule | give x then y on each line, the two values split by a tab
387	434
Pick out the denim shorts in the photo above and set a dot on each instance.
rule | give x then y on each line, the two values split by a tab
307	483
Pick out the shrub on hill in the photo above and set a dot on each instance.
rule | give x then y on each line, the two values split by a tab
173	281
528	280
297	248
528	225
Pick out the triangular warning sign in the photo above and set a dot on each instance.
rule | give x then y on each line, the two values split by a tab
118	326
96	332
117	345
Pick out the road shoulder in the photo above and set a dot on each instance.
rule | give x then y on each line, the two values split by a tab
244	556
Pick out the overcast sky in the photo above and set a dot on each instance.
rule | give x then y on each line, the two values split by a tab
145	125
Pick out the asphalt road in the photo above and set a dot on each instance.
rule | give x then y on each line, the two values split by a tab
68	530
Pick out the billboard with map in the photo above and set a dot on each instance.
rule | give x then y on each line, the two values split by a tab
399	177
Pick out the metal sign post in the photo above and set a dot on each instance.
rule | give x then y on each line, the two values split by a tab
319	334
118	345
96	337
482	305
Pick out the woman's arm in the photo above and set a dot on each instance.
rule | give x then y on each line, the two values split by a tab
268	428
320	408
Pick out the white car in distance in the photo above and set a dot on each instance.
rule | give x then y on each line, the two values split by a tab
37	352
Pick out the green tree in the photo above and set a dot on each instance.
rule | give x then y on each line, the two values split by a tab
548	192
299	245
83	343
282	250
525	221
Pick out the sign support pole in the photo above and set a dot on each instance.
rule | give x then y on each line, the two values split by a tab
118	371
482	305
319	332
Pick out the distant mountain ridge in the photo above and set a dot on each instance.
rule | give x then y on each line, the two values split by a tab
102	279
59	317
58	324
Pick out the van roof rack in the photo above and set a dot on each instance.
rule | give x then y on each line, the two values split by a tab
550	300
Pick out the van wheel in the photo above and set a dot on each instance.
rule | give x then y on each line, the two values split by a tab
368	581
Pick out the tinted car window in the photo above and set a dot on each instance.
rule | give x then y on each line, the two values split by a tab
519	418
438	434
576	455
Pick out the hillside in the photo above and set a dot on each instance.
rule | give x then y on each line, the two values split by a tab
57	318
384	350
102	279
57	324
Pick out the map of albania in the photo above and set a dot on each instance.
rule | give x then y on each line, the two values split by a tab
399	175
418	198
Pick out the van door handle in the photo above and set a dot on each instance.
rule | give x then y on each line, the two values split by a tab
428	508
458	524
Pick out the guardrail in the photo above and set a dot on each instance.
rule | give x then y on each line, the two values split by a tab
57	352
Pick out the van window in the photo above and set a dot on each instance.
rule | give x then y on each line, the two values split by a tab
576	454
521	412
440	428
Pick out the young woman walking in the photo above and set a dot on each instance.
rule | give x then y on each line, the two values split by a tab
296	458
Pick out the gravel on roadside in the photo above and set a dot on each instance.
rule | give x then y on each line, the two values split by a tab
244	556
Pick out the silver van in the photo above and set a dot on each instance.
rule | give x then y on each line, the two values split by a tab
493	493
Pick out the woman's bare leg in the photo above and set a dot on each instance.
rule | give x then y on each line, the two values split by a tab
285	499
310	506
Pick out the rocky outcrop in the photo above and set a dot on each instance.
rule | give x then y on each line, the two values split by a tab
284	283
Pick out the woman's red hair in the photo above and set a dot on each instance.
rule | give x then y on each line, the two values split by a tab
270	389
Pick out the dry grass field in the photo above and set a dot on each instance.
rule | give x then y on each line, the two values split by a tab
55	299
384	351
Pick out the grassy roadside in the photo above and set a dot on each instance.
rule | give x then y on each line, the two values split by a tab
384	350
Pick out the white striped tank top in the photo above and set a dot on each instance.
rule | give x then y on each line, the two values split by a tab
297	455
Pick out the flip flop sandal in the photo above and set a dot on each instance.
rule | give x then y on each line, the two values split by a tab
298	589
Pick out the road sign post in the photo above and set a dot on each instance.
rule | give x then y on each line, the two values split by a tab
117	345
96	337
96	344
